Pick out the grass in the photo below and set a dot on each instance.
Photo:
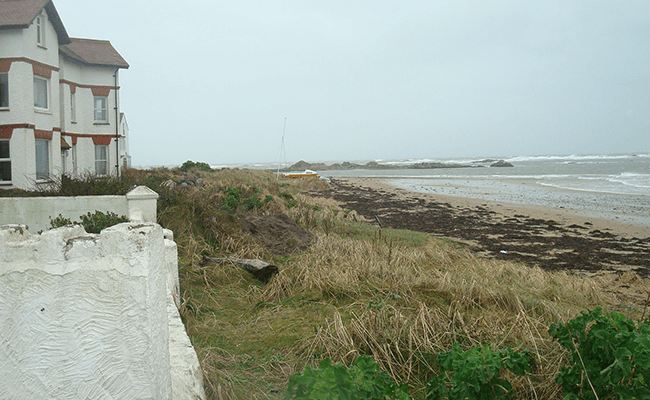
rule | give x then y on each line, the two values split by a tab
399	296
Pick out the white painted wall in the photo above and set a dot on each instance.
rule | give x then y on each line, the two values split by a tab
86	75
92	316
35	212
84	316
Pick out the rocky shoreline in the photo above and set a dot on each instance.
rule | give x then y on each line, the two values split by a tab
373	165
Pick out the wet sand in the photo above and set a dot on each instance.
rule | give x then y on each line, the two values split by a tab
553	238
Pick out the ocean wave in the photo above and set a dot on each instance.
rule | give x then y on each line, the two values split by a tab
632	179
575	157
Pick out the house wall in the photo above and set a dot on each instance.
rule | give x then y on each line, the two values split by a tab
27	59
83	78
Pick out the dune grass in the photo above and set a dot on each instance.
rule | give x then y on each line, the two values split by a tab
399	296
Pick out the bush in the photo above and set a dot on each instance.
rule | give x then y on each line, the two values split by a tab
476	373
232	199
363	380
201	166
253	202
610	356
92	223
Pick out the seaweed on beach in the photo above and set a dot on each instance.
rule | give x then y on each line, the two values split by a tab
545	243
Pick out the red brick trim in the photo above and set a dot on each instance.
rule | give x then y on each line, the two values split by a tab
5	64
42	70
97	139
101	90
39	68
40	134
97	89
105	139
7	130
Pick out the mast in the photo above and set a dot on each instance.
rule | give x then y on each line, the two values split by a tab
282	150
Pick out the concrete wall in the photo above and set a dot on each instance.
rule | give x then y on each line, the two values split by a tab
35	212
92	316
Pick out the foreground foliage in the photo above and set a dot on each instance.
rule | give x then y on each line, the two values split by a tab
476	373
610	356
362	380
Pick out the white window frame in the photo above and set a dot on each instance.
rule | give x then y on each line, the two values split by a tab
7	159
101	164
4	76
73	107
42	174
40	30
100	114
47	93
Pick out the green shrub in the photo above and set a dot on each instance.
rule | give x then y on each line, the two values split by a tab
231	201
475	374
288	198
610	356
363	380
92	223
252	202
201	166
59	221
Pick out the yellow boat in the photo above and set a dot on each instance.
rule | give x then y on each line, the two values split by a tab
307	174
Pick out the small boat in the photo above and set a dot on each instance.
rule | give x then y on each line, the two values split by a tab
307	174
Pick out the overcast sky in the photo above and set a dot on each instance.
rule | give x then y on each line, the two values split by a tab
213	80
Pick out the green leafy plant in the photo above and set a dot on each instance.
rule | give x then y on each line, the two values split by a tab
475	374
95	222
288	198
363	380
232	199
59	221
610	356
252	202
92	222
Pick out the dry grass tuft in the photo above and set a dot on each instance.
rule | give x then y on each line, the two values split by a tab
402	305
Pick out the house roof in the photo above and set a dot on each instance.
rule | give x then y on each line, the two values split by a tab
19	14
94	52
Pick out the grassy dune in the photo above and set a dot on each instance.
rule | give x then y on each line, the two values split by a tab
398	296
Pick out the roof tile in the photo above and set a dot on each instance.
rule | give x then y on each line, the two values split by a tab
94	52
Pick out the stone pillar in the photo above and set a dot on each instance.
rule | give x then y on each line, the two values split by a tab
142	204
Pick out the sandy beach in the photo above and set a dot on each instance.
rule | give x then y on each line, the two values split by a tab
594	216
553	238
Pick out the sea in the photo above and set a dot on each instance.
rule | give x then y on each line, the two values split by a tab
611	186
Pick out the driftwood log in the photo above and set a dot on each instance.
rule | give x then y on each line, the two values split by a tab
261	270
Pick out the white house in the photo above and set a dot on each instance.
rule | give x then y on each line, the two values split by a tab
59	99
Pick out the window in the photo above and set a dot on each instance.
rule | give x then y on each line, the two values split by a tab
40	30
101	110
64	159
4	90
40	92
101	159
42	159
73	108
5	161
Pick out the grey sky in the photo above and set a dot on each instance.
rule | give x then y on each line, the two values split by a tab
359	80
